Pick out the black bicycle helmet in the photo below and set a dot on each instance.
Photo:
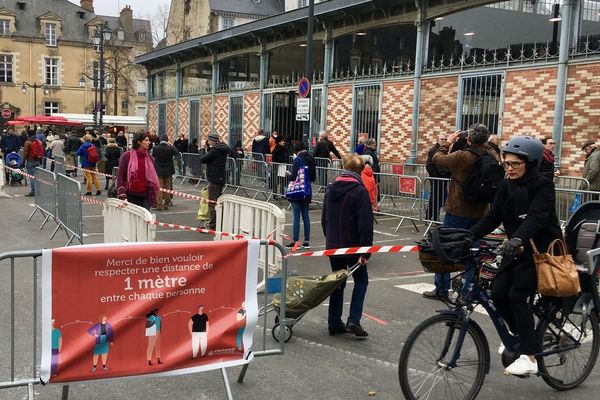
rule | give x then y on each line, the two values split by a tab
528	147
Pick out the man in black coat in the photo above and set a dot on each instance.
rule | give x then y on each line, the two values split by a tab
216	161
325	146
347	221
439	187
163	154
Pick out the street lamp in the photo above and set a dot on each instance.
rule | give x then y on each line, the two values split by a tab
35	87
100	38
108	83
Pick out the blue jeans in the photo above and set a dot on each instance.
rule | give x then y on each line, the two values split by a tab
336	300
301	208
442	281
31	166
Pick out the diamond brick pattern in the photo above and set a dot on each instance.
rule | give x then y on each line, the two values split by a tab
529	102
339	116
205	117
251	118
437	112
396	121
582	116
222	117
183	125
171	117
153	116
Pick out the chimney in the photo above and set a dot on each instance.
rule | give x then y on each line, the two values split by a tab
87	5
126	18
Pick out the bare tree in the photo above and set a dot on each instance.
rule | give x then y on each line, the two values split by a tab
159	22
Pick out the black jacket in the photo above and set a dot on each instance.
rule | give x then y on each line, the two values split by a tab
308	161
547	169
73	143
527	209
433	170
260	144
347	218
112	155
324	147
216	161
181	145
121	141
163	154
280	155
370	152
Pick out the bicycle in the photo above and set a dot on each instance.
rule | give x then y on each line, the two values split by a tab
448	356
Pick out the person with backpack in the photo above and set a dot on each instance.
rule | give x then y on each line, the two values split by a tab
301	206
89	156
33	153
475	175
526	206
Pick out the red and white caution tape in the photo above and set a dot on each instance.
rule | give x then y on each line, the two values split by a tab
200	230
358	250
91	200
22	172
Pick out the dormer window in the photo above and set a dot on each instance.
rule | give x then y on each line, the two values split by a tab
121	35
21	5
50	34
4	27
141	36
81	14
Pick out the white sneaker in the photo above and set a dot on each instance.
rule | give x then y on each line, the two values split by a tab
522	366
501	348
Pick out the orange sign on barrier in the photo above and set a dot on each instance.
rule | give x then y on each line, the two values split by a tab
147	308
408	185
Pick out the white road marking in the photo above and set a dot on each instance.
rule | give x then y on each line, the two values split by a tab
423	287
385	233
93	216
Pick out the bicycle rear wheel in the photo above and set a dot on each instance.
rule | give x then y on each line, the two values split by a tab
422	369
569	368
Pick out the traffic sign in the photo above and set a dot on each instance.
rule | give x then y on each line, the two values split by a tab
302	109
304	87
6	113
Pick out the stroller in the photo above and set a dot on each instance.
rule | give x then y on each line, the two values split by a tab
13	160
303	293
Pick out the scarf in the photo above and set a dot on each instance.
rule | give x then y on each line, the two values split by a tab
151	176
548	156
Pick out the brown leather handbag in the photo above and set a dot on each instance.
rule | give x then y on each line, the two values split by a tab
557	275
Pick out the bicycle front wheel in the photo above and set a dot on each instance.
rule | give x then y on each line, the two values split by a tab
579	336
423	370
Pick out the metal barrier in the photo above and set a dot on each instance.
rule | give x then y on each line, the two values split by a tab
126	222
2	175
400	196
69	208
232	173
435	192
418	170
59	165
571	182
254	177
257	219
322	164
192	168
391	168
255	156
325	176
337	164
279	178
45	195
568	201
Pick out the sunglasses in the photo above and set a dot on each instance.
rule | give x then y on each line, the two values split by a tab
512	164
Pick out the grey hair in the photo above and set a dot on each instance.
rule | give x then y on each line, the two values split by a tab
478	133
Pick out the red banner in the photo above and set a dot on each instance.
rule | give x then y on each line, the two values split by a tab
147	308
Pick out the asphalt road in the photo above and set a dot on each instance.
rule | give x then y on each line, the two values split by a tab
314	366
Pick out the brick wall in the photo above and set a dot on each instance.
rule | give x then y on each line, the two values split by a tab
171	117
437	112
222	117
153	117
339	116
529	102
184	118
205	117
251	118
396	121
582	115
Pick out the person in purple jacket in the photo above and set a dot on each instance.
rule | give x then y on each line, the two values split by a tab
347	221
103	334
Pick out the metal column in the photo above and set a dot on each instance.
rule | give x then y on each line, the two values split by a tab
264	56
422	28
213	91
327	64
178	72
568	13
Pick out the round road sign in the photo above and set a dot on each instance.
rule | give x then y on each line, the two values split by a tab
6	113
304	87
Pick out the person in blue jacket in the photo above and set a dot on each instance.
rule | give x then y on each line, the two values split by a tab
89	168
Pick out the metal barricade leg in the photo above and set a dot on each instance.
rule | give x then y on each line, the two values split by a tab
226	383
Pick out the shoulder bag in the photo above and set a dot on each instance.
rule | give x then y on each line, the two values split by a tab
557	275
300	188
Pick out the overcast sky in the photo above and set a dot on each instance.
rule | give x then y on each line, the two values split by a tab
141	8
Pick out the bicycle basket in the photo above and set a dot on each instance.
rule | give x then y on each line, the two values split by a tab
445	250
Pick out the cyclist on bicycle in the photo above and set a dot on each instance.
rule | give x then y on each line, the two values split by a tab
525	205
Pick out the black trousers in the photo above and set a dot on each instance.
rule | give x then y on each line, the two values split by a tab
214	192
511	289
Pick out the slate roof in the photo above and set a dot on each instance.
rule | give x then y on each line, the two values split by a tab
248	7
73	27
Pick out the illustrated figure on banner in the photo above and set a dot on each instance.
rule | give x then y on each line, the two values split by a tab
198	327
57	343
103	334
241	318
153	333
